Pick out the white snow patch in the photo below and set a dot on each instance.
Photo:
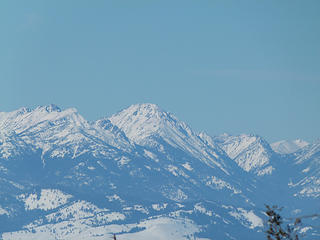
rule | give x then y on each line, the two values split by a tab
187	166
250	219
306	170
198	207
123	161
220	184
114	197
173	170
176	171
159	207
310	191
102	165
176	195
180	205
267	170
84	210
305	229
48	199
140	208
150	155
3	212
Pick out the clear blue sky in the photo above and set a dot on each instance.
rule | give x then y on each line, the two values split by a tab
221	66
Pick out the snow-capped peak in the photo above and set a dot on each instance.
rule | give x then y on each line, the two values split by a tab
24	118
144	122
58	132
49	108
286	147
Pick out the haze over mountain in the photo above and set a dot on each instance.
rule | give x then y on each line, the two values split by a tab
286	147
144	174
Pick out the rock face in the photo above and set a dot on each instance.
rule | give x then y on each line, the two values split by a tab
141	174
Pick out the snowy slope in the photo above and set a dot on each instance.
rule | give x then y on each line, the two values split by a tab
287	147
145	124
158	228
251	152
12	144
48	199
307	161
174	146
79	219
58	133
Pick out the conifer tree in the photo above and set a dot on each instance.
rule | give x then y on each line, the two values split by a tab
275	230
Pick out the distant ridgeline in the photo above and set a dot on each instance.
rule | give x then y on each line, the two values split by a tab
144	174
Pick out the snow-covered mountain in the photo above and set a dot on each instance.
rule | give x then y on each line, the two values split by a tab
141	174
307	161
287	147
59	133
148	124
251	152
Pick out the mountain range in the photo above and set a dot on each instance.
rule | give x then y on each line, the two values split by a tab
144	174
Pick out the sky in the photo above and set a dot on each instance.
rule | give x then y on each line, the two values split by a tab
220	66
